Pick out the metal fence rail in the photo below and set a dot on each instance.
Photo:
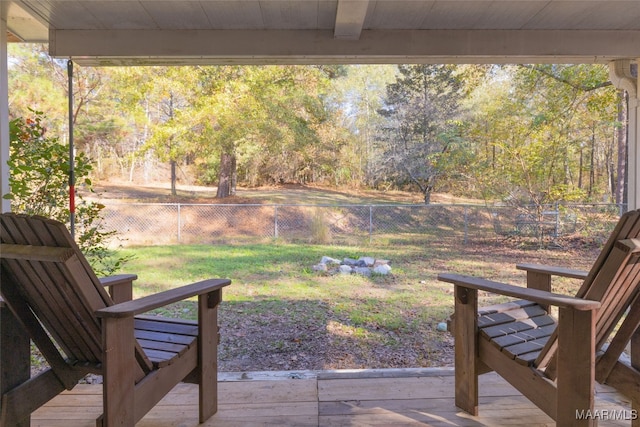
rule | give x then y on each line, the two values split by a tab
152	223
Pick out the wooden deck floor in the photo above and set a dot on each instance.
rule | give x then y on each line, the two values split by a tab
393	397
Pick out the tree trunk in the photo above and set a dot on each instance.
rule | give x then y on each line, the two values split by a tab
173	178
592	161
427	194
227	176
581	166
234	176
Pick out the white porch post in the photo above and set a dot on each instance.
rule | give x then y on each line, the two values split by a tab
622	78
4	114
634	147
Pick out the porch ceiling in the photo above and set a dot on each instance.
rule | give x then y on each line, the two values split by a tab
115	32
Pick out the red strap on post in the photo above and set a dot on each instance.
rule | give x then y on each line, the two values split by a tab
72	199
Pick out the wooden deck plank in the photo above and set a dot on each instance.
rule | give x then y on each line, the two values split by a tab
403	397
428	387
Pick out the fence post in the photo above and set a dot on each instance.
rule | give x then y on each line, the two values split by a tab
557	207
179	225
275	222
370	223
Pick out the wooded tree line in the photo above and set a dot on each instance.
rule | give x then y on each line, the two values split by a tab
521	133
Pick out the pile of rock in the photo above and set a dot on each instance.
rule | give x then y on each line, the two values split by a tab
363	265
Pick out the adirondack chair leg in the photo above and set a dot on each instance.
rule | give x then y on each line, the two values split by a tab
119	372
14	360
576	367
207	354
466	349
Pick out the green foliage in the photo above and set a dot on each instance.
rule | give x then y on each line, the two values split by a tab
270	118
542	134
528	133
320	230
421	127
39	186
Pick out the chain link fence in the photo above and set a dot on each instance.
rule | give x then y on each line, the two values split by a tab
149	224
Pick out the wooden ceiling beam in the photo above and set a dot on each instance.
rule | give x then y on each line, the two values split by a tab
350	18
373	46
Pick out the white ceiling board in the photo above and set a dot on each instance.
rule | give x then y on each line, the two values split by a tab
397	15
507	15
72	15
231	15
480	15
456	15
290	15
588	15
24	26
124	14
188	15
327	11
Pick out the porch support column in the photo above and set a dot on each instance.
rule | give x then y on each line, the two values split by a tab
4	112
622	77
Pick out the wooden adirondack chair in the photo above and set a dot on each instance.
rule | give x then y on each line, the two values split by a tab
54	296
554	362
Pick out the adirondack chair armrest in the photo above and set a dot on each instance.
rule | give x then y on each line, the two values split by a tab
118	279
150	302
553	270
535	295
120	286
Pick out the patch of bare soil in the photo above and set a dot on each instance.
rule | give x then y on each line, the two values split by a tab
292	193
159	193
305	335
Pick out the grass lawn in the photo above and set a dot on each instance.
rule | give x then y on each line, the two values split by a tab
280	314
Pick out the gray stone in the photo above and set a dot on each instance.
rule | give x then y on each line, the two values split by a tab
367	260
442	327
365	271
382	269
319	267
345	269
364	265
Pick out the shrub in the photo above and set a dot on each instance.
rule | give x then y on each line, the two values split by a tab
320	231
39	186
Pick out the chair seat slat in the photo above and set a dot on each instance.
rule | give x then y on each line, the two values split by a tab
524	336
526	347
517	326
505	306
493	319
167	327
178	349
163	336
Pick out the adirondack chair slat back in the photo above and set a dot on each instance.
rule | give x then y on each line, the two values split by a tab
621	293
614	277
628	227
62	294
614	280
